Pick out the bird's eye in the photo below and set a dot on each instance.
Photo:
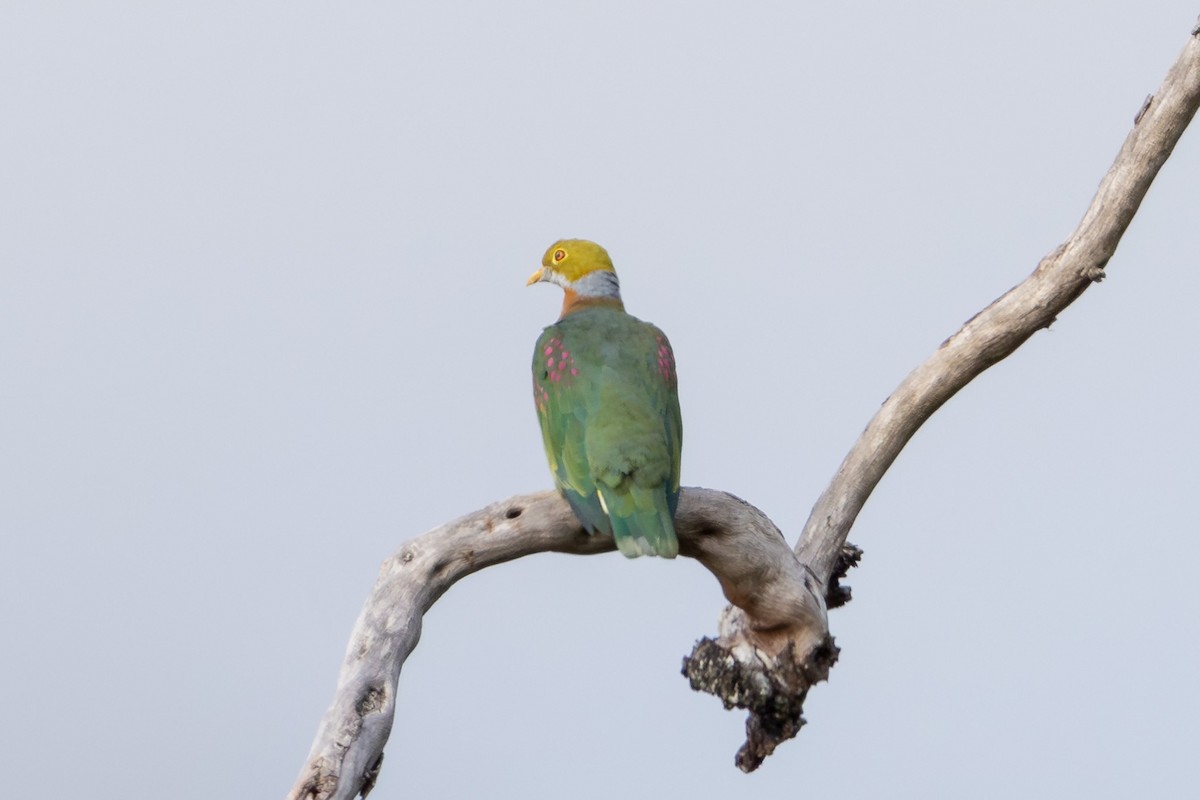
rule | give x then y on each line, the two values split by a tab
559	255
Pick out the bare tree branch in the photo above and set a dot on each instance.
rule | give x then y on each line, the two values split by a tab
773	641
754	564
998	330
987	338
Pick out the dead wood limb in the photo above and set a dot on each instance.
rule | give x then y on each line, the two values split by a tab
773	642
987	338
996	331
754	564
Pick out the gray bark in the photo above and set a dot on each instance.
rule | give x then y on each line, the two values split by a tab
755	565
773	641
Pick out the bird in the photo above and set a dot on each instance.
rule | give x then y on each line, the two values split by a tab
607	400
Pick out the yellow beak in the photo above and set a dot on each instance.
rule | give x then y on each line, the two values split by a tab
540	275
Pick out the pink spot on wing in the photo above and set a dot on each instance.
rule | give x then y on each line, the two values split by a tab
666	361
558	365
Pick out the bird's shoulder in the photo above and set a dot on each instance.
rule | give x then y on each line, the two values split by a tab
587	342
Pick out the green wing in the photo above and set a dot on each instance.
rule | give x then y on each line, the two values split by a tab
562	408
605	389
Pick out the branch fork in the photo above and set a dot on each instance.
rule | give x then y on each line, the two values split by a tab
773	642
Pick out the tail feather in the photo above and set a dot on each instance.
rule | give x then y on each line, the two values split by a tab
641	522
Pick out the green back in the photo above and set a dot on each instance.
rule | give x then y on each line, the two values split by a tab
607	401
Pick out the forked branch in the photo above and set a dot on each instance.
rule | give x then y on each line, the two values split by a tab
987	338
774	640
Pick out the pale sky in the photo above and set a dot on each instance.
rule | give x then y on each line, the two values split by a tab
263	318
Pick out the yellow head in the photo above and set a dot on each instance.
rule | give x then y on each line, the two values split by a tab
569	261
